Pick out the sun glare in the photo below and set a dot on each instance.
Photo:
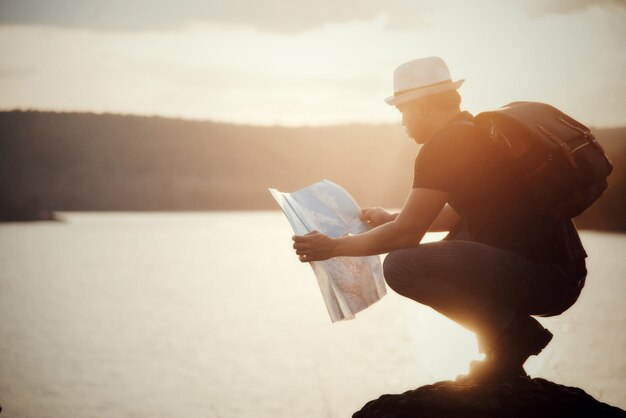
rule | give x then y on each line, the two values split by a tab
444	348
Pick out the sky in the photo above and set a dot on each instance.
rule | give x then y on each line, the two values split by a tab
282	62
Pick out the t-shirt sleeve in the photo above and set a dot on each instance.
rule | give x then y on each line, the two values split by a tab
443	161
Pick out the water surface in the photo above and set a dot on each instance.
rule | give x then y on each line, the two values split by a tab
212	315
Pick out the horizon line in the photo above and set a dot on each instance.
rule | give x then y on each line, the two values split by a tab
230	122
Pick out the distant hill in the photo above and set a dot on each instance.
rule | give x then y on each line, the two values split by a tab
79	161
83	161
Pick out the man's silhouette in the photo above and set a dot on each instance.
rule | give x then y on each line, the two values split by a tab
512	262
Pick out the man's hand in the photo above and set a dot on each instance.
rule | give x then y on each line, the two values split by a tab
313	246
376	216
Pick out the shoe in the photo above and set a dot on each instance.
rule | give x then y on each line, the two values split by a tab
505	357
514	350
523	338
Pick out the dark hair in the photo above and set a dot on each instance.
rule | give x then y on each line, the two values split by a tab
448	100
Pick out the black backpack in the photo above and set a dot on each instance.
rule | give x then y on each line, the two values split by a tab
563	166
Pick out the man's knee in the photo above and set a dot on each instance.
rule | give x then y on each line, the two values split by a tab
395	271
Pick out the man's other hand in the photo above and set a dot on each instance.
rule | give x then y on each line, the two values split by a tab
313	246
376	216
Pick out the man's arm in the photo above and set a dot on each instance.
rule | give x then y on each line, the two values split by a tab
420	210
445	221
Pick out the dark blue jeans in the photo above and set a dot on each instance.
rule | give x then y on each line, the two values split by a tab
482	287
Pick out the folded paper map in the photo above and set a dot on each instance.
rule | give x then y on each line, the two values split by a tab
348	284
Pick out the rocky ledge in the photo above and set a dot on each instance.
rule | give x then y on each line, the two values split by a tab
522	397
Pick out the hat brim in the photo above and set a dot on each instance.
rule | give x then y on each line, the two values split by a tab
427	91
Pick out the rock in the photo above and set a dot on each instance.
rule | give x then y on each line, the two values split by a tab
520	397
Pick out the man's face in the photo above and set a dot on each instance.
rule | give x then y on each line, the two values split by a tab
414	120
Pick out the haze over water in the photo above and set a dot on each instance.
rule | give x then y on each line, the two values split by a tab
212	315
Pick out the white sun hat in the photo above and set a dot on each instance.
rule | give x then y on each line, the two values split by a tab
419	78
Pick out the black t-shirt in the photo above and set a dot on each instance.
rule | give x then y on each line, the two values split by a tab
486	192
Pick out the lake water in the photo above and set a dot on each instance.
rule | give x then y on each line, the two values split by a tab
212	315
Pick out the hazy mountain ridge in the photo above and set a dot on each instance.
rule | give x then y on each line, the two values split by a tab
85	161
77	161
